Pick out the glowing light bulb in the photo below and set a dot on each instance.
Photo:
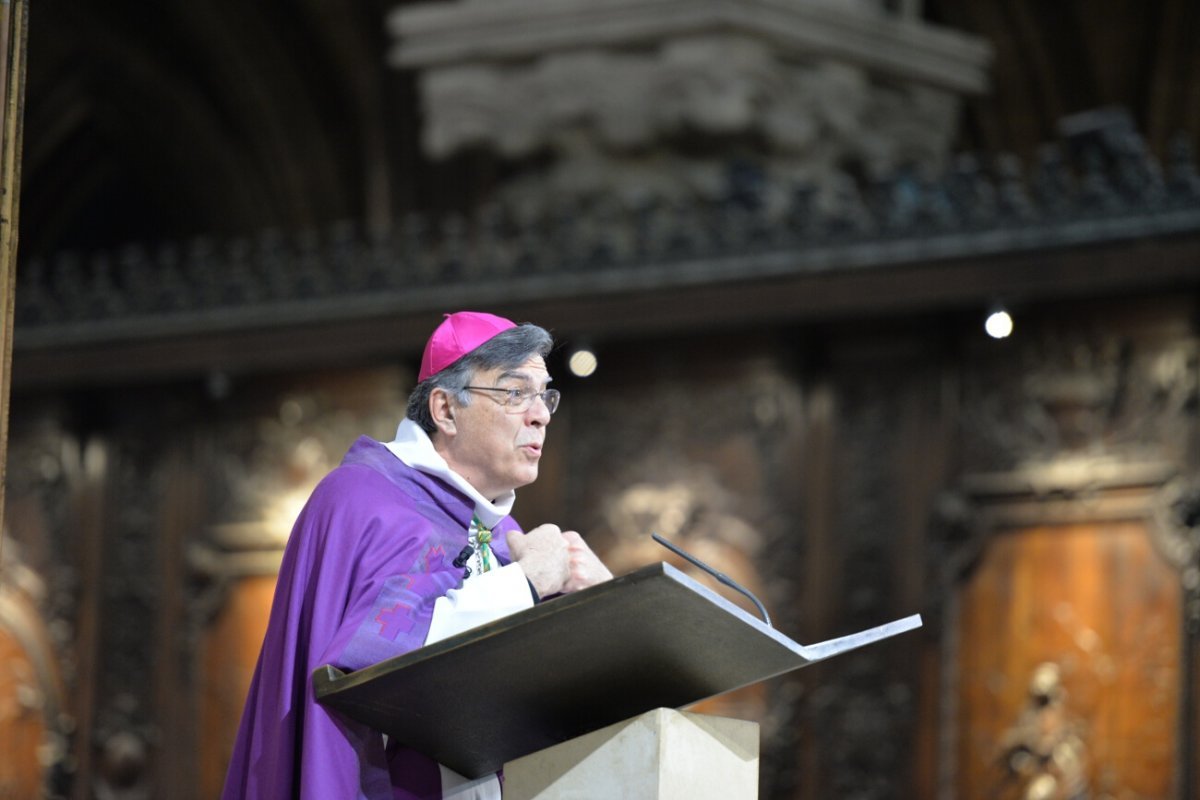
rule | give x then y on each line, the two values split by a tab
999	324
582	362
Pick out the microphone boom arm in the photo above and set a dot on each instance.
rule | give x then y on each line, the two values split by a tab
721	576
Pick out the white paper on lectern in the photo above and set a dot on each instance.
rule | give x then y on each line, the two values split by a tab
833	647
808	652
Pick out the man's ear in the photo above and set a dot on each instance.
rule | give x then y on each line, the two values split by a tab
441	409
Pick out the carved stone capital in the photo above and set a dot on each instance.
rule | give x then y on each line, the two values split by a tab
609	88
436	34
723	85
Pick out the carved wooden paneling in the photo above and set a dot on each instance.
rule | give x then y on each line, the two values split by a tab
697	454
1069	632
1069	666
871	490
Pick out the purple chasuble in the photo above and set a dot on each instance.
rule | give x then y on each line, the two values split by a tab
367	558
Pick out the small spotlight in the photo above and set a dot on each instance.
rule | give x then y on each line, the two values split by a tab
999	324
582	362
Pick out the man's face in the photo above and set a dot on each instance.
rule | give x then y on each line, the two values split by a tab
493	447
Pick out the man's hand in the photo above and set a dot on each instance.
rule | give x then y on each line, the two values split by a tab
555	560
543	556
586	568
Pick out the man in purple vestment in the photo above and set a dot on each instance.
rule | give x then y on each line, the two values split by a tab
405	543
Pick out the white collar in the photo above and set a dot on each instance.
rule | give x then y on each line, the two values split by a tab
414	447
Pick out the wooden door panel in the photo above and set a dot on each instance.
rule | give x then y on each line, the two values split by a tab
1092	614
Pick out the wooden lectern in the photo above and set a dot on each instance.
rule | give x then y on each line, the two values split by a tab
602	658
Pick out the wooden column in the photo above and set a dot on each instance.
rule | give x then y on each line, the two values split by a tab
12	79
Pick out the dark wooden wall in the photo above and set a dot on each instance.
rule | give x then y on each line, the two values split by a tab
1034	498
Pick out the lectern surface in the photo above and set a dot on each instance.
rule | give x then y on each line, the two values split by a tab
653	638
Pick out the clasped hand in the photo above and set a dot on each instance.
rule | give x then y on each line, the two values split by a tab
556	561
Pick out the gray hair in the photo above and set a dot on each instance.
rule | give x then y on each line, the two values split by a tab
506	350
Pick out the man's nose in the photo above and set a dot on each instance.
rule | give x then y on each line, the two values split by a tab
539	412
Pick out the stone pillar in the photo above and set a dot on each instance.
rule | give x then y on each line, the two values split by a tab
660	755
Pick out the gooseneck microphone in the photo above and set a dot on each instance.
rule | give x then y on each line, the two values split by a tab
721	576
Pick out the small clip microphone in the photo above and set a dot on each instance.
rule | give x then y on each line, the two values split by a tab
461	560
463	555
721	576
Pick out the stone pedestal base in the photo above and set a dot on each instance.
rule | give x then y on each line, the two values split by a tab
660	755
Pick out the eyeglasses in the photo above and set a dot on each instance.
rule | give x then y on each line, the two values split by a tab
518	401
